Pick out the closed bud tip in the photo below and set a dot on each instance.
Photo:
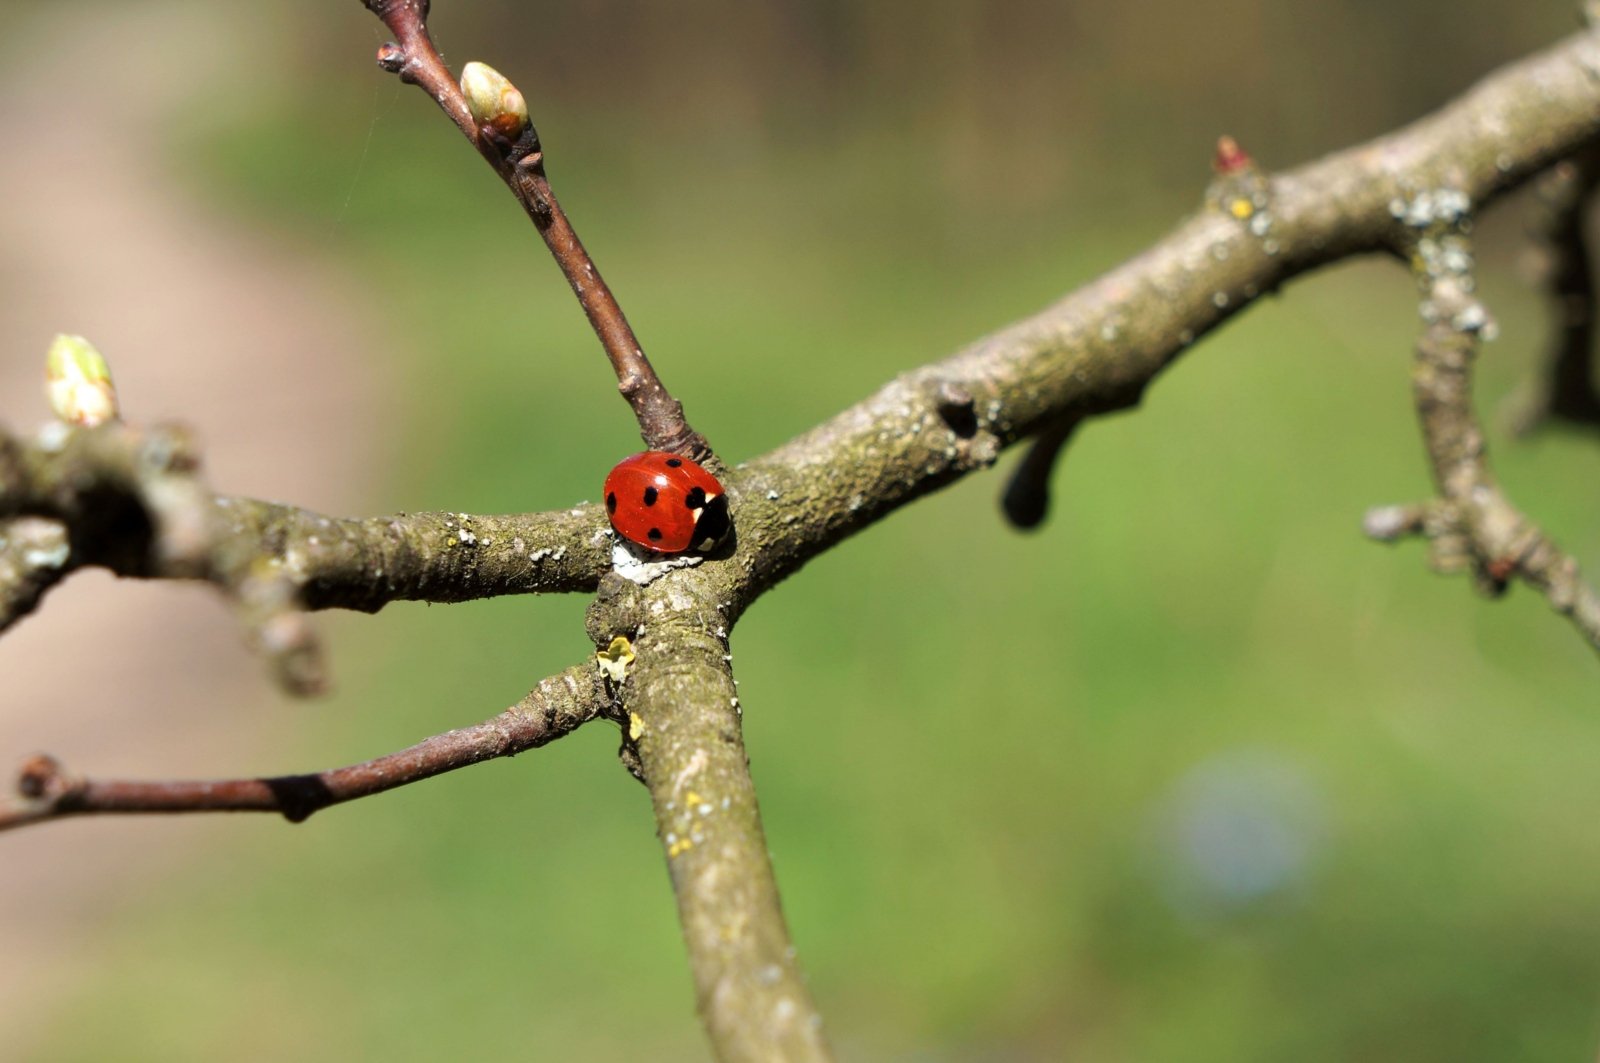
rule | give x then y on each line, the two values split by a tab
78	382
1230	157
493	100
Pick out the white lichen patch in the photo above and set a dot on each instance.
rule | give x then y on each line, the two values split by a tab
47	556
53	436
43	543
1427	209
642	567
1474	318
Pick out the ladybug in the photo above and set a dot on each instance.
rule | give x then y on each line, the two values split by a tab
665	503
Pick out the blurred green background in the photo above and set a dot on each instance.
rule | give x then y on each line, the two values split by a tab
1193	773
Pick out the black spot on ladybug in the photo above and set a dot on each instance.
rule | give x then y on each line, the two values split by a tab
655	535
673	463
611	502
696	498
649	496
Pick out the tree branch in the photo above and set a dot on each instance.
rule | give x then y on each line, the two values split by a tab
131	500
1098	348
1567	390
682	735
520	165
559	705
366	563
1472	524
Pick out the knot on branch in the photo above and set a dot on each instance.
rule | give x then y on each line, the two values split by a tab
132	500
41	778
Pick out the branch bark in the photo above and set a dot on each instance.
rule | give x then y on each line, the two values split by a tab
682	735
131	500
1098	348
45	790
1473	524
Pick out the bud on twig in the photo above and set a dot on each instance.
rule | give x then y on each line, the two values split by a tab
493	100
78	382
1230	157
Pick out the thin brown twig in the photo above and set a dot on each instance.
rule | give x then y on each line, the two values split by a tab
521	166
46	790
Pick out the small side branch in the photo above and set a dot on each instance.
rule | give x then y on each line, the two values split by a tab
1566	389
1472	525
45	790
1026	501
520	164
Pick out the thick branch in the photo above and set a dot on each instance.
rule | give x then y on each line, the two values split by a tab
556	707
363	564
131	500
682	735
1098	348
521	166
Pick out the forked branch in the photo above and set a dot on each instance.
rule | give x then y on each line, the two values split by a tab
1472	525
131	500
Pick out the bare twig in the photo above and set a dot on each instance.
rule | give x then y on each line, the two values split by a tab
1473	525
1566	390
557	706
521	166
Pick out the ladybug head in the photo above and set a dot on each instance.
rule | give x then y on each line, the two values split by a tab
711	520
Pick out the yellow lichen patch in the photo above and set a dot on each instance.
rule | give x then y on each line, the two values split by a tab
635	726
691	798
680	845
614	659
1241	208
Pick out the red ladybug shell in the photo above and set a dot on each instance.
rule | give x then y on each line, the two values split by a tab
666	503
